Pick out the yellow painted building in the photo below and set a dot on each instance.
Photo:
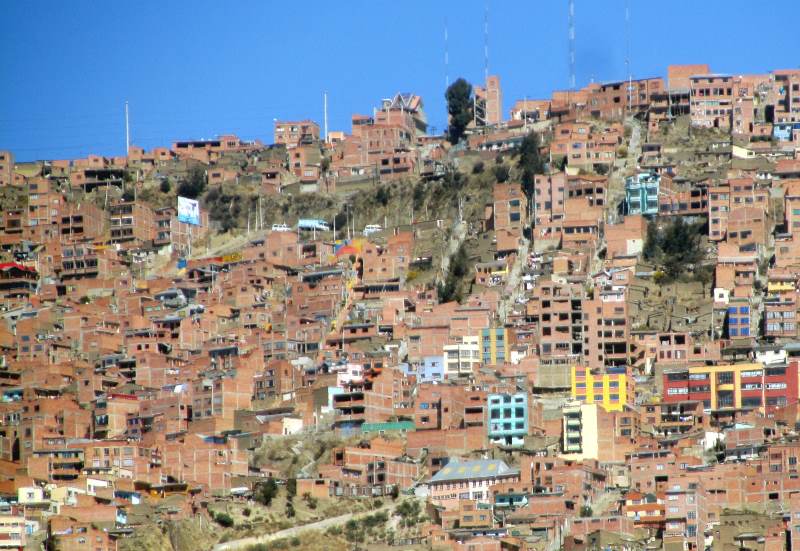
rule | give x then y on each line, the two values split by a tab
494	346
749	385
609	389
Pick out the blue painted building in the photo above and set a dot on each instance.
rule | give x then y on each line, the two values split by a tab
784	131
738	319
641	193
508	418
432	369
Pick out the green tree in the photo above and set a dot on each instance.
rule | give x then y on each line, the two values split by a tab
194	184
677	247
530	162
165	186
266	491
652	242
501	173
383	195
459	107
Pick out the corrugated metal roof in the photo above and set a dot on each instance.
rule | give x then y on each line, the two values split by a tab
467	470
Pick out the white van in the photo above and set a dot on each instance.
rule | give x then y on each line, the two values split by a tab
281	227
372	228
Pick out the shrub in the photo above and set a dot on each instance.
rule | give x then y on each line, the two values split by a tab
246	511
224	520
477	168
295	542
165	186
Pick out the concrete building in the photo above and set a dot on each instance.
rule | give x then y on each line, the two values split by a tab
471	480
508	418
712	99
489	102
738	386
495	346
461	359
641	193
611	388
294	133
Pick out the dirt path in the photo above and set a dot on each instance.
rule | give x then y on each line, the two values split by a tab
291	532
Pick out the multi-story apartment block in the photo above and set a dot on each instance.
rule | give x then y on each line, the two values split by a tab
6	168
641	193
738	386
612	388
508	418
295	133
712	100
471	480
463	358
495	348
509	208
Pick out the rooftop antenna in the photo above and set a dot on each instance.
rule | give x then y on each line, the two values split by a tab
127	131
446	58
571	36
486	42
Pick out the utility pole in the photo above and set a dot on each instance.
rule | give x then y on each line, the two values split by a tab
260	219
127	131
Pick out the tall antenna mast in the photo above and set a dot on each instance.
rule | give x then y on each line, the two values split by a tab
446	58
325	113
127	131
486	42
571	35
628	51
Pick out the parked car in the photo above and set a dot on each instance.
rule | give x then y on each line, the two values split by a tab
372	228
281	227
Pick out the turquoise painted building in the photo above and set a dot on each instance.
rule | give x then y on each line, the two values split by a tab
641	193
508	418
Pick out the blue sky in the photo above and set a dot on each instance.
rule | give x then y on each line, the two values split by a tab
198	69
